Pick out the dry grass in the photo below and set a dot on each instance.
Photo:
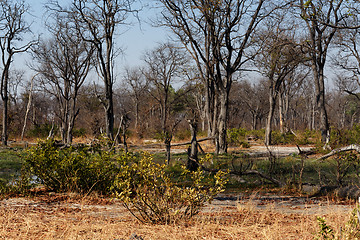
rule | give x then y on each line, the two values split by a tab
39	219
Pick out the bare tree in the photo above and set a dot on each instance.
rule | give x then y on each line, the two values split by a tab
217	36
347	60
251	98
64	62
279	56
13	27
164	65
98	22
323	19
135	79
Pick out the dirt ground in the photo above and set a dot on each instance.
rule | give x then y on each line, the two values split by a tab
62	216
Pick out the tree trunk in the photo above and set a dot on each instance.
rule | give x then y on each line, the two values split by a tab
320	103
109	116
168	148
4	137
192	163
281	114
222	123
28	107
272	104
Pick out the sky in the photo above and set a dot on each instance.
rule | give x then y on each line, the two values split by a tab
134	40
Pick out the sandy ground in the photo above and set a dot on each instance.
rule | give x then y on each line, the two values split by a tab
255	149
223	203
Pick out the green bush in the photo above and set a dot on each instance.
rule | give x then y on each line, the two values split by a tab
79	169
282	138
151	196
237	137
41	131
183	134
343	137
79	132
351	230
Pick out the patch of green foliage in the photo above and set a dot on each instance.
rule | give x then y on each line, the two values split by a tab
10	167
79	132
343	137
41	131
152	197
10	160
182	135
80	169
278	138
237	137
351	229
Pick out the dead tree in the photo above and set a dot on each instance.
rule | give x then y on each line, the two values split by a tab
192	162
12	29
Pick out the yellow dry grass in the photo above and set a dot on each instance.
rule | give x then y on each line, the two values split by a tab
61	220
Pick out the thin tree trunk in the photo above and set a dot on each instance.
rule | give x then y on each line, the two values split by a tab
5	122
28	107
320	103
192	163
268	128
222	122
281	114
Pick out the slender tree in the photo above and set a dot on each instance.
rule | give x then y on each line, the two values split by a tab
13	28
98	23
63	63
279	56
323	19
164	65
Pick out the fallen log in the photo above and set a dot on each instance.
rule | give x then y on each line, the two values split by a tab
247	172
187	143
351	147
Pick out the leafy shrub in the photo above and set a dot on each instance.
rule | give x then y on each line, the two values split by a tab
308	137
79	132
260	134
41	131
183	134
343	137
80	169
282	138
325	231
236	136
151	196
351	230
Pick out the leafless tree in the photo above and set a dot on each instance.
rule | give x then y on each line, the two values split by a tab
217	35
323	19
138	84
64	62
250	97
13	28
347	60
279	56
98	23
164	66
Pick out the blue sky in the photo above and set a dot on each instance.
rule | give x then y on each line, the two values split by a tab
134	39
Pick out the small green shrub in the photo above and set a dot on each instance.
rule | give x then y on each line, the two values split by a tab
151	196
325	232
282	138
79	132
236	136
183	134
41	131
260	134
351	230
79	169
